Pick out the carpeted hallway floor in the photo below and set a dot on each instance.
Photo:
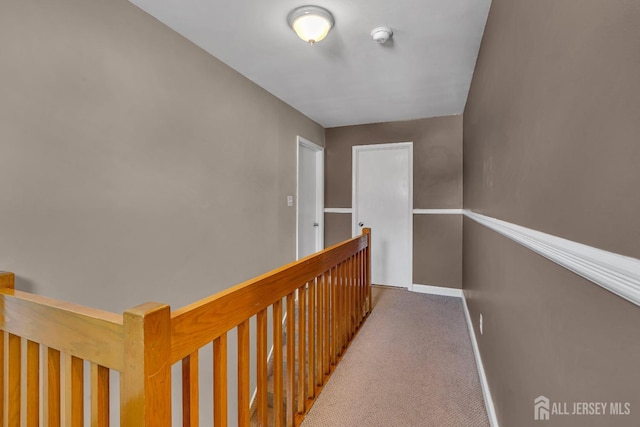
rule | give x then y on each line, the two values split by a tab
411	364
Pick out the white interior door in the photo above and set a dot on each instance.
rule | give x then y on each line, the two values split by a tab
383	201
310	217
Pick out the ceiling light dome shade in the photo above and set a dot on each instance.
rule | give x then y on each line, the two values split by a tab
311	23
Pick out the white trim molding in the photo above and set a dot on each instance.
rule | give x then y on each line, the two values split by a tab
338	210
438	211
415	211
437	290
616	273
319	181
486	392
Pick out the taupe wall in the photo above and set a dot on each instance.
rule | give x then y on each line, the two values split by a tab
551	142
135	166
437	184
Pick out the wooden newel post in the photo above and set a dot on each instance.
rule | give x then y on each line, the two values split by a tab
367	232
145	383
7	280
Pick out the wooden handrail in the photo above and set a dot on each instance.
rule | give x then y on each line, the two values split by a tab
56	324
324	298
199	323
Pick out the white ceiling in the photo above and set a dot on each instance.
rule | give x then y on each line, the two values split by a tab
425	71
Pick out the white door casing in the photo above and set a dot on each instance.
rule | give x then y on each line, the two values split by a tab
382	199
309	198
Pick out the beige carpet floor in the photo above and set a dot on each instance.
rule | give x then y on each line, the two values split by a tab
411	364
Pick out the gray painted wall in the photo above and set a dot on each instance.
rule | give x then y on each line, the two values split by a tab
135	166
551	142
437	184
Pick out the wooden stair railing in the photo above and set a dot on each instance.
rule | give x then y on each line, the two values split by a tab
324	298
65	335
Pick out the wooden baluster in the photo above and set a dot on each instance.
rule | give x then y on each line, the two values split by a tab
51	411
74	390
278	388
190	391
320	326
345	287
357	304
354	293
261	355
362	287
14	374
2	377
220	381
99	396
363	296
341	305
350	283
244	370
349	287
326	362
347	309
291	356
338	313
346	304
33	384
301	349
145	383
311	337
334	312
7	281
367	231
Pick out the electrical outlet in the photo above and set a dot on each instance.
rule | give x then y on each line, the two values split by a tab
481	331
289	200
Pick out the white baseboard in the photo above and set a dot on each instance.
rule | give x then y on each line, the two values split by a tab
488	401
437	290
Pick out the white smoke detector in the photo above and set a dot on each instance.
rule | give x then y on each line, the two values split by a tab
381	34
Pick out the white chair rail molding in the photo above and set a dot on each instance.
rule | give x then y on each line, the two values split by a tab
616	273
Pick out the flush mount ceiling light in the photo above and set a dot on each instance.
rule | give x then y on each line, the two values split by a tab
381	35
311	23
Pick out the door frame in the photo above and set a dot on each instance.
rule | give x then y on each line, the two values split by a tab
354	185
319	150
